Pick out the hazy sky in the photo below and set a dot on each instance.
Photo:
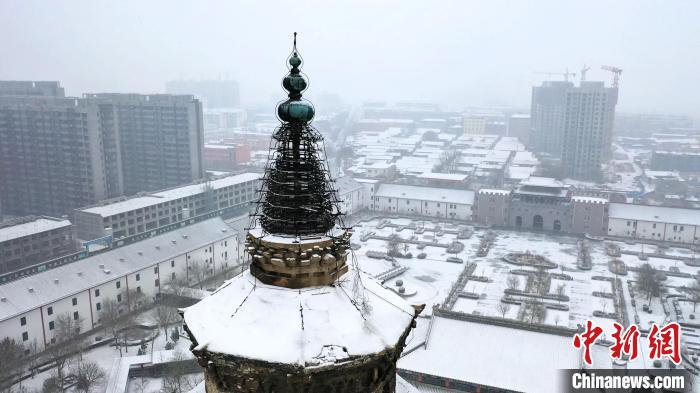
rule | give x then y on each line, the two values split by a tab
455	53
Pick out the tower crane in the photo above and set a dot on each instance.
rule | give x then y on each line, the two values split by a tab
583	72
616	74
565	74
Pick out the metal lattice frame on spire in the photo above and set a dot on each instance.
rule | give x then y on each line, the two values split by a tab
297	237
297	197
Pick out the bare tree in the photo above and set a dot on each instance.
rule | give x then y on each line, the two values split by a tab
561	291
537	310
67	343
110	316
141	385
164	316
503	308
125	322
175	379
210	202
513	282
694	292
87	376
51	384
393	244
33	356
541	281
137	299
648	281
11	362
60	355
197	273
176	286
68	330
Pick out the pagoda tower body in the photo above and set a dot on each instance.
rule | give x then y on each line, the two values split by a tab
301	319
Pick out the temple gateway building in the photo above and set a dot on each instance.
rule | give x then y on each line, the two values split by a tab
303	318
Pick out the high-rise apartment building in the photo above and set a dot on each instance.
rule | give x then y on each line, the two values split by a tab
59	153
160	138
30	88
575	124
51	155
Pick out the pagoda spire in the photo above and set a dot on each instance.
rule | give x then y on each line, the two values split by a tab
297	195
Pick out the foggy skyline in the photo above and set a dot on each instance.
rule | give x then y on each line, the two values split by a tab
452	53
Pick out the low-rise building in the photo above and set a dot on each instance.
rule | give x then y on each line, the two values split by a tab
437	179
424	201
225	156
143	212
589	215
381	170
350	195
28	240
541	203
127	275
491	207
370	187
654	222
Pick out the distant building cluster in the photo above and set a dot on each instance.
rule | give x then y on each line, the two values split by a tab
126	275
59	153
123	217
27	240
574	124
429	152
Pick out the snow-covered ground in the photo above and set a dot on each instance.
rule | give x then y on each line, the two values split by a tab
432	277
430	280
104	356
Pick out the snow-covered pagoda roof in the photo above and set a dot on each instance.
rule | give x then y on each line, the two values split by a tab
308	327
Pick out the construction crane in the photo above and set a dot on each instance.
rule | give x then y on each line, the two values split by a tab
565	74
616	74
583	72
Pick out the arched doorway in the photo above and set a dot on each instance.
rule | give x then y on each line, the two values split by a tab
518	221
537	222
557	225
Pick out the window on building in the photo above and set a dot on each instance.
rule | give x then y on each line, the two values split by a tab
25	336
172	263
119	284
97	293
172	275
75	316
138	277
51	325
138	289
75	301
23	321
119	298
155	270
157	283
98	306
49	311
